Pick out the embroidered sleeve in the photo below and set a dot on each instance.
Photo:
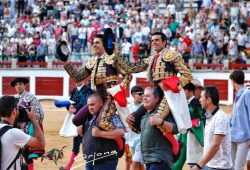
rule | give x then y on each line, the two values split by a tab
124	67
38	109
180	66
77	75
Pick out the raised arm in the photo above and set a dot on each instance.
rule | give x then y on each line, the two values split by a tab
78	75
124	67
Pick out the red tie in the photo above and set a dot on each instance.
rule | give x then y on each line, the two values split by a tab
155	61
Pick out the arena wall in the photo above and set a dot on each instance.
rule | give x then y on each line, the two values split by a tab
56	84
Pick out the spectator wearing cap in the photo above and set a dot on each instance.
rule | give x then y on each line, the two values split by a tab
193	139
27	99
133	140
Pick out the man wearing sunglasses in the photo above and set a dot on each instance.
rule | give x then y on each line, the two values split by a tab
133	144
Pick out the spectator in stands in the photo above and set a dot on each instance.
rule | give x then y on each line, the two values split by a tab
179	8
32	52
241	40
135	51
142	15
82	36
51	47
126	49
191	13
41	52
74	34
232	49
143	49
211	50
197	51
77	46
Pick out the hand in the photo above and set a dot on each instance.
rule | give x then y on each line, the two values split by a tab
163	87
96	132
130	120
31	114
79	130
249	144
72	109
155	119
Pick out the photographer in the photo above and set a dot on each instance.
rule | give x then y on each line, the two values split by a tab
28	100
14	138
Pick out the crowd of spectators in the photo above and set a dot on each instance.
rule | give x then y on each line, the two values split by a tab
206	30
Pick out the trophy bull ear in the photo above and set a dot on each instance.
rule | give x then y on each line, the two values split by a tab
62	50
108	41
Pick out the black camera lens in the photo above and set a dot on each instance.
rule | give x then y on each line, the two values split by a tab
23	116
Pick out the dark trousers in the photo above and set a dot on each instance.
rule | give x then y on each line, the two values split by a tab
76	144
158	166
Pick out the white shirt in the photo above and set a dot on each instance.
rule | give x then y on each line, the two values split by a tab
126	48
12	141
133	138
218	124
82	33
241	39
171	9
29	40
51	42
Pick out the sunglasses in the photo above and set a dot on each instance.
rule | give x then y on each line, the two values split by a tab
140	93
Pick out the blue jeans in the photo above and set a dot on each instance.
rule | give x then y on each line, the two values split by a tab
105	165
83	44
208	168
158	166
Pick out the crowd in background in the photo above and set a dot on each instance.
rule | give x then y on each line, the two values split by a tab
207	31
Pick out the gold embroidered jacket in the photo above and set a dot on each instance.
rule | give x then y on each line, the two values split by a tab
169	63
104	70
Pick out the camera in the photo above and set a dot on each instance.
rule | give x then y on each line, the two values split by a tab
23	116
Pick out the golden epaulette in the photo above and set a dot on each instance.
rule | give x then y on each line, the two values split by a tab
170	55
148	59
91	62
109	59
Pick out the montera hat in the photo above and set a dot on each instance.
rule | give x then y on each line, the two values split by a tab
19	80
108	41
62	50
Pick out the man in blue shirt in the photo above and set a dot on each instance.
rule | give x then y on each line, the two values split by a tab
240	121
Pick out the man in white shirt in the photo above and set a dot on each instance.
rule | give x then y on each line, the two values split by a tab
241	40
133	140
14	138
217	139
126	49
